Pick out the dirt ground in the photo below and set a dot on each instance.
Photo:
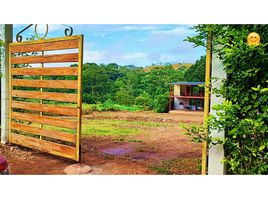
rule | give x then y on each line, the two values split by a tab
157	150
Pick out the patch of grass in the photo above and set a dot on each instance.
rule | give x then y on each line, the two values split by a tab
161	170
150	124
109	127
108	106
49	127
140	149
108	156
134	140
106	127
120	139
179	166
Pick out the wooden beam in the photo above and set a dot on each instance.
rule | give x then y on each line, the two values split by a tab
43	41
62	110
55	58
48	46
45	146
45	120
79	98
44	132
64	84
53	71
65	97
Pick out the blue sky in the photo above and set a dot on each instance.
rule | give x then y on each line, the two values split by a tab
125	44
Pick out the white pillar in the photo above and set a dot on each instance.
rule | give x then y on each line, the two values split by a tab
216	152
6	36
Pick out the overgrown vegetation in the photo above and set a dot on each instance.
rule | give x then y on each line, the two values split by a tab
135	86
244	114
109	106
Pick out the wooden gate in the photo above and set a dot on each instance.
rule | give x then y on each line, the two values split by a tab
45	95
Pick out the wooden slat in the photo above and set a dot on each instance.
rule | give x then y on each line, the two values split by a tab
53	71
64	38
62	110
45	95
44	132
48	46
45	146
66	84
52	44
45	120
71	57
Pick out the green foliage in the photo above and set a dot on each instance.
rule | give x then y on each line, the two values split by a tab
161	103
197	133
130	85
244	114
197	71
108	106
143	100
124	97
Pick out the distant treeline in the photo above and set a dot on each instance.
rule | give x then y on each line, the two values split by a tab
130	85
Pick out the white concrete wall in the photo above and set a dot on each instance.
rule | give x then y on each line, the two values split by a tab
216	152
177	91
177	102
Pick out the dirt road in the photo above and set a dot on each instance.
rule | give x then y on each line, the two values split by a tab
156	148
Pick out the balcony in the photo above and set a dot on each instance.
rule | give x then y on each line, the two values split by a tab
189	95
200	94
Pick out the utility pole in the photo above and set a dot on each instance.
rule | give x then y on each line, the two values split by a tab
6	35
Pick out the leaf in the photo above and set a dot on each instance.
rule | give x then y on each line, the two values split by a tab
262	147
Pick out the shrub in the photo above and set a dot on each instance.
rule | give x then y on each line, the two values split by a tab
244	114
108	106
161	104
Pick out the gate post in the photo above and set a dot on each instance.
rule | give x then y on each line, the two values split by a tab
216	152
6	34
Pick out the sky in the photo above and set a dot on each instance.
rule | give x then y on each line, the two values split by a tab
129	44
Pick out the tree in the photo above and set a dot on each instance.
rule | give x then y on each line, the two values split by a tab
197	71
243	116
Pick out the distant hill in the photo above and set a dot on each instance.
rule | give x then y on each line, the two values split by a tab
175	66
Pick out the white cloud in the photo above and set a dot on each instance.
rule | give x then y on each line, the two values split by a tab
94	56
182	30
139	27
169	58
41	28
134	55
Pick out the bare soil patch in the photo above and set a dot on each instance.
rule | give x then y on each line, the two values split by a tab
161	149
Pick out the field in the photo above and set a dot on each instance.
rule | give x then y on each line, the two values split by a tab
122	143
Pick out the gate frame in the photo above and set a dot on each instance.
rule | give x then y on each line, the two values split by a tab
6	34
79	85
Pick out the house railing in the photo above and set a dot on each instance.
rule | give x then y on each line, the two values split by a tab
200	94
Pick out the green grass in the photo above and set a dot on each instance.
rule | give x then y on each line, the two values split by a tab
104	127
108	106
179	166
134	140
110	127
59	129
